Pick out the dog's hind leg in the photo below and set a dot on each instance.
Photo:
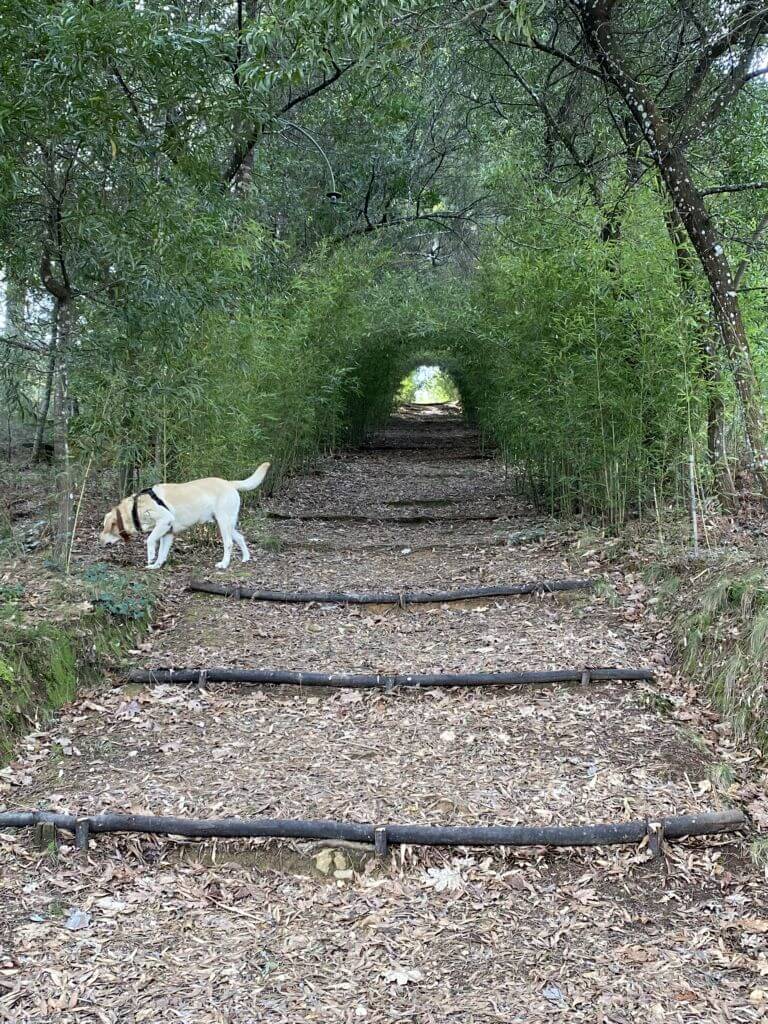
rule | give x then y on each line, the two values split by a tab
240	541
226	528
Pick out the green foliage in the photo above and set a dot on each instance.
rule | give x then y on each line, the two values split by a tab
571	353
174	163
427	384
42	665
585	368
758	851
9	600
296	39
37	673
267	379
722	775
724	641
11	591
118	593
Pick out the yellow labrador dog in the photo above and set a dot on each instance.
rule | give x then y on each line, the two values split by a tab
168	509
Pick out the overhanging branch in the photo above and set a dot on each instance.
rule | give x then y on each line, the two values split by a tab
243	153
25	346
745	187
411	219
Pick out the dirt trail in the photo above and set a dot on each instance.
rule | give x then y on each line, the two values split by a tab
267	931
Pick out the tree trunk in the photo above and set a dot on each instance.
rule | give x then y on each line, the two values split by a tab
45	401
15	295
15	298
717	456
691	208
61	416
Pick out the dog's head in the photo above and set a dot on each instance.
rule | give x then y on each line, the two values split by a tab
110	530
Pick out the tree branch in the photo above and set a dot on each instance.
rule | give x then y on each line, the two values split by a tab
553	51
243	153
57	288
131	101
739	27
746	186
757	73
25	346
326	82
367	200
411	219
741	270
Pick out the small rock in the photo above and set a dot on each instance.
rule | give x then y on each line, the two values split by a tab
553	994
77	920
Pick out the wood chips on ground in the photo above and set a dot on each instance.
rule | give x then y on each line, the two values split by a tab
148	929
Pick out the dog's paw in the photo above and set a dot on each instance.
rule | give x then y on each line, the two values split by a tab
222	565
246	558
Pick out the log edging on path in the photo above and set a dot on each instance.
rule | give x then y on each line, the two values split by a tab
401	598
385	835
365	681
366	517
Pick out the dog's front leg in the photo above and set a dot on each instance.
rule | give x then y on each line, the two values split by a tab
152	541
165	547
151	551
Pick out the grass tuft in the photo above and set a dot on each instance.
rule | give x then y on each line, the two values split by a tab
758	851
722	776
724	644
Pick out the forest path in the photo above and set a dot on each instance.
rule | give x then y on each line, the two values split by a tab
280	931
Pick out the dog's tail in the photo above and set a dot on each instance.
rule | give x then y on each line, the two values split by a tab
253	480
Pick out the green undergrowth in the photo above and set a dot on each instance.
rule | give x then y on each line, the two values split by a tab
716	601
724	645
118	595
720	615
98	614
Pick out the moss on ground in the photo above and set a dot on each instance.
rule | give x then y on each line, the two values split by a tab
44	663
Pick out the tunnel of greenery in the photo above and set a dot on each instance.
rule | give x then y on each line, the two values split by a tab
229	232
575	359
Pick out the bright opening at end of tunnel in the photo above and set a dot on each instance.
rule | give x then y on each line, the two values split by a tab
428	385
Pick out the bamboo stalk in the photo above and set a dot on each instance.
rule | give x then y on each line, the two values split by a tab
77	515
692	487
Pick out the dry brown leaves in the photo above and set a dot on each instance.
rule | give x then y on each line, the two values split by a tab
147	929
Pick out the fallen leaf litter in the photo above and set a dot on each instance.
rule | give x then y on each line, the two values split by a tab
144	929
